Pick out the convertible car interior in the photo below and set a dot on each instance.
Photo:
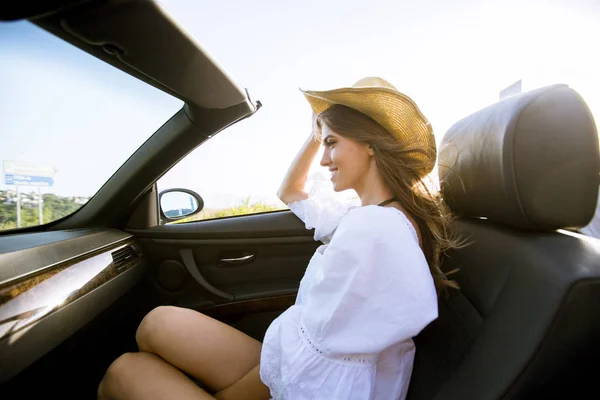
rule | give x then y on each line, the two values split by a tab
521	176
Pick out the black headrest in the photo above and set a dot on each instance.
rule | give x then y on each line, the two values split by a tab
530	161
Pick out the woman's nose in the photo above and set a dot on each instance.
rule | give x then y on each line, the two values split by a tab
325	160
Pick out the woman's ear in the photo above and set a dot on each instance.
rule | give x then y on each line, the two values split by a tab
370	150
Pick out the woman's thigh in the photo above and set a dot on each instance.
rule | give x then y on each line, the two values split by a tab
147	376
210	351
250	387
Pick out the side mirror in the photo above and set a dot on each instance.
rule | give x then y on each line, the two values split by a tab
178	203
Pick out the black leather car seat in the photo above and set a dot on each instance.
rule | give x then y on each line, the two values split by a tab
519	175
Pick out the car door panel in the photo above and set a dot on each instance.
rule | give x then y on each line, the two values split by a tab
243	270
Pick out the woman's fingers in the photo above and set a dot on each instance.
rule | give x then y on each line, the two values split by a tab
316	125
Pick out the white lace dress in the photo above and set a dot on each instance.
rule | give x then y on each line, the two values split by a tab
365	294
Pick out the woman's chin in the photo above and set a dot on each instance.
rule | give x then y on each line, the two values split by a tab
338	188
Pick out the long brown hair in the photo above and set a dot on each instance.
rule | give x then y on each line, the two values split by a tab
400	173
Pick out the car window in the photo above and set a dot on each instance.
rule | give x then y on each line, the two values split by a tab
68	122
452	58
232	173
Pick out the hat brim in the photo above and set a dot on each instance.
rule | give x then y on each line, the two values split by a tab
396	112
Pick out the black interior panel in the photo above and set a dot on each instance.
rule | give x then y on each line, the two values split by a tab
276	271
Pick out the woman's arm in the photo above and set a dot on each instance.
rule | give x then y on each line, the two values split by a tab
292	187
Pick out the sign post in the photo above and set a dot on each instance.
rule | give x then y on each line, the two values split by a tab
18	208
27	174
40	207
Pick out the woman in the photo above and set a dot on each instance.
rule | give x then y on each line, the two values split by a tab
368	290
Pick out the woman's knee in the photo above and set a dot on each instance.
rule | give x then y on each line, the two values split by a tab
117	375
153	327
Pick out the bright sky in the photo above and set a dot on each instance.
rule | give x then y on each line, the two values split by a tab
63	108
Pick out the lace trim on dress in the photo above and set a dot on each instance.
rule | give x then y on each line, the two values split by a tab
270	372
358	360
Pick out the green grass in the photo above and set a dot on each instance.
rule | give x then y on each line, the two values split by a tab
244	208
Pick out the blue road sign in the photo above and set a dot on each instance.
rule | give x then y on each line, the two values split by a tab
28	180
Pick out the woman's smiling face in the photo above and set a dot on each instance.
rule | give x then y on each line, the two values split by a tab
347	160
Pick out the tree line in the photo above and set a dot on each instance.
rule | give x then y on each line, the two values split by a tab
54	207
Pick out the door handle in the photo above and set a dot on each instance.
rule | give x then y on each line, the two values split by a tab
235	261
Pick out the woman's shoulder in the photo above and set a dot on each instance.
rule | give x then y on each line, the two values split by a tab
383	223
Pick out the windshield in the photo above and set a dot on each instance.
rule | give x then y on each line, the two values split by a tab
68	122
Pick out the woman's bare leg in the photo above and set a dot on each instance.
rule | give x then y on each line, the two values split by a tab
146	376
250	387
224	359
210	351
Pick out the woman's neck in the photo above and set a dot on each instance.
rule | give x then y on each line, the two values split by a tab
374	198
372	190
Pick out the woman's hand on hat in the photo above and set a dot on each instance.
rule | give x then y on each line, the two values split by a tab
316	125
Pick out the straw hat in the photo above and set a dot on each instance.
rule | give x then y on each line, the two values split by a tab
393	110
